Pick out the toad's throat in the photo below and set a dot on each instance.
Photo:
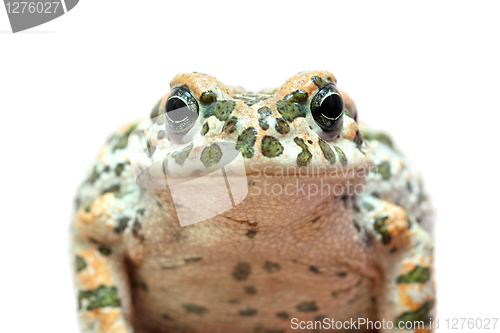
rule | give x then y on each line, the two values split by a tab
266	199
276	206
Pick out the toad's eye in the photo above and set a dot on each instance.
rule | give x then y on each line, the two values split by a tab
327	109
181	110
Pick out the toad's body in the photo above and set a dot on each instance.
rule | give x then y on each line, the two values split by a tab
309	254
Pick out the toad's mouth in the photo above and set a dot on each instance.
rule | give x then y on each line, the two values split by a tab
155	177
263	184
358	171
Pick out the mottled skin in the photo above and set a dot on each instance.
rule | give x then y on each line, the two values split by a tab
273	257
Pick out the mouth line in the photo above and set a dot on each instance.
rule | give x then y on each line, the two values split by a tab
339	173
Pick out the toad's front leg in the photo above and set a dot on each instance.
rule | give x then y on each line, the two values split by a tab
101	288
102	284
406	296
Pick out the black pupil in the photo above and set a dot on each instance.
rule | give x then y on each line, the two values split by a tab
175	104
332	106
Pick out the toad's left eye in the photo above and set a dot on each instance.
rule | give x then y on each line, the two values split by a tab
181	110
327	109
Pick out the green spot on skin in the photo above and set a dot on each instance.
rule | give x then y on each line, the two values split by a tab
104	250
248	312
368	206
208	97
264	124
314	269
281	126
193	308
141	285
298	96
122	143
342	157
307	307
384	169
305	156
264	112
289	110
112	188
121	224
99	298
149	150
319	82
271	147
119	194
421	197
356	225
166	317
205	128
211	155
421	314
93	176
381	228
358	139
327	151
300	143
251	233
271	267
320	318
203	74
119	168
230	125
379	136
246	141
181	156
164	165
418	275
250	290
223	109
87	208
161	119
282	315
80	263
251	101
161	134
194	259
112	137
130	129
408	220
241	271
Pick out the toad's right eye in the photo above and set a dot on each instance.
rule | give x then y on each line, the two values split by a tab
327	108
181	110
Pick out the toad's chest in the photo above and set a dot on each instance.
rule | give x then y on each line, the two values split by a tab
320	270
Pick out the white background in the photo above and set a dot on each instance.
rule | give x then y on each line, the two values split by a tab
428	73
